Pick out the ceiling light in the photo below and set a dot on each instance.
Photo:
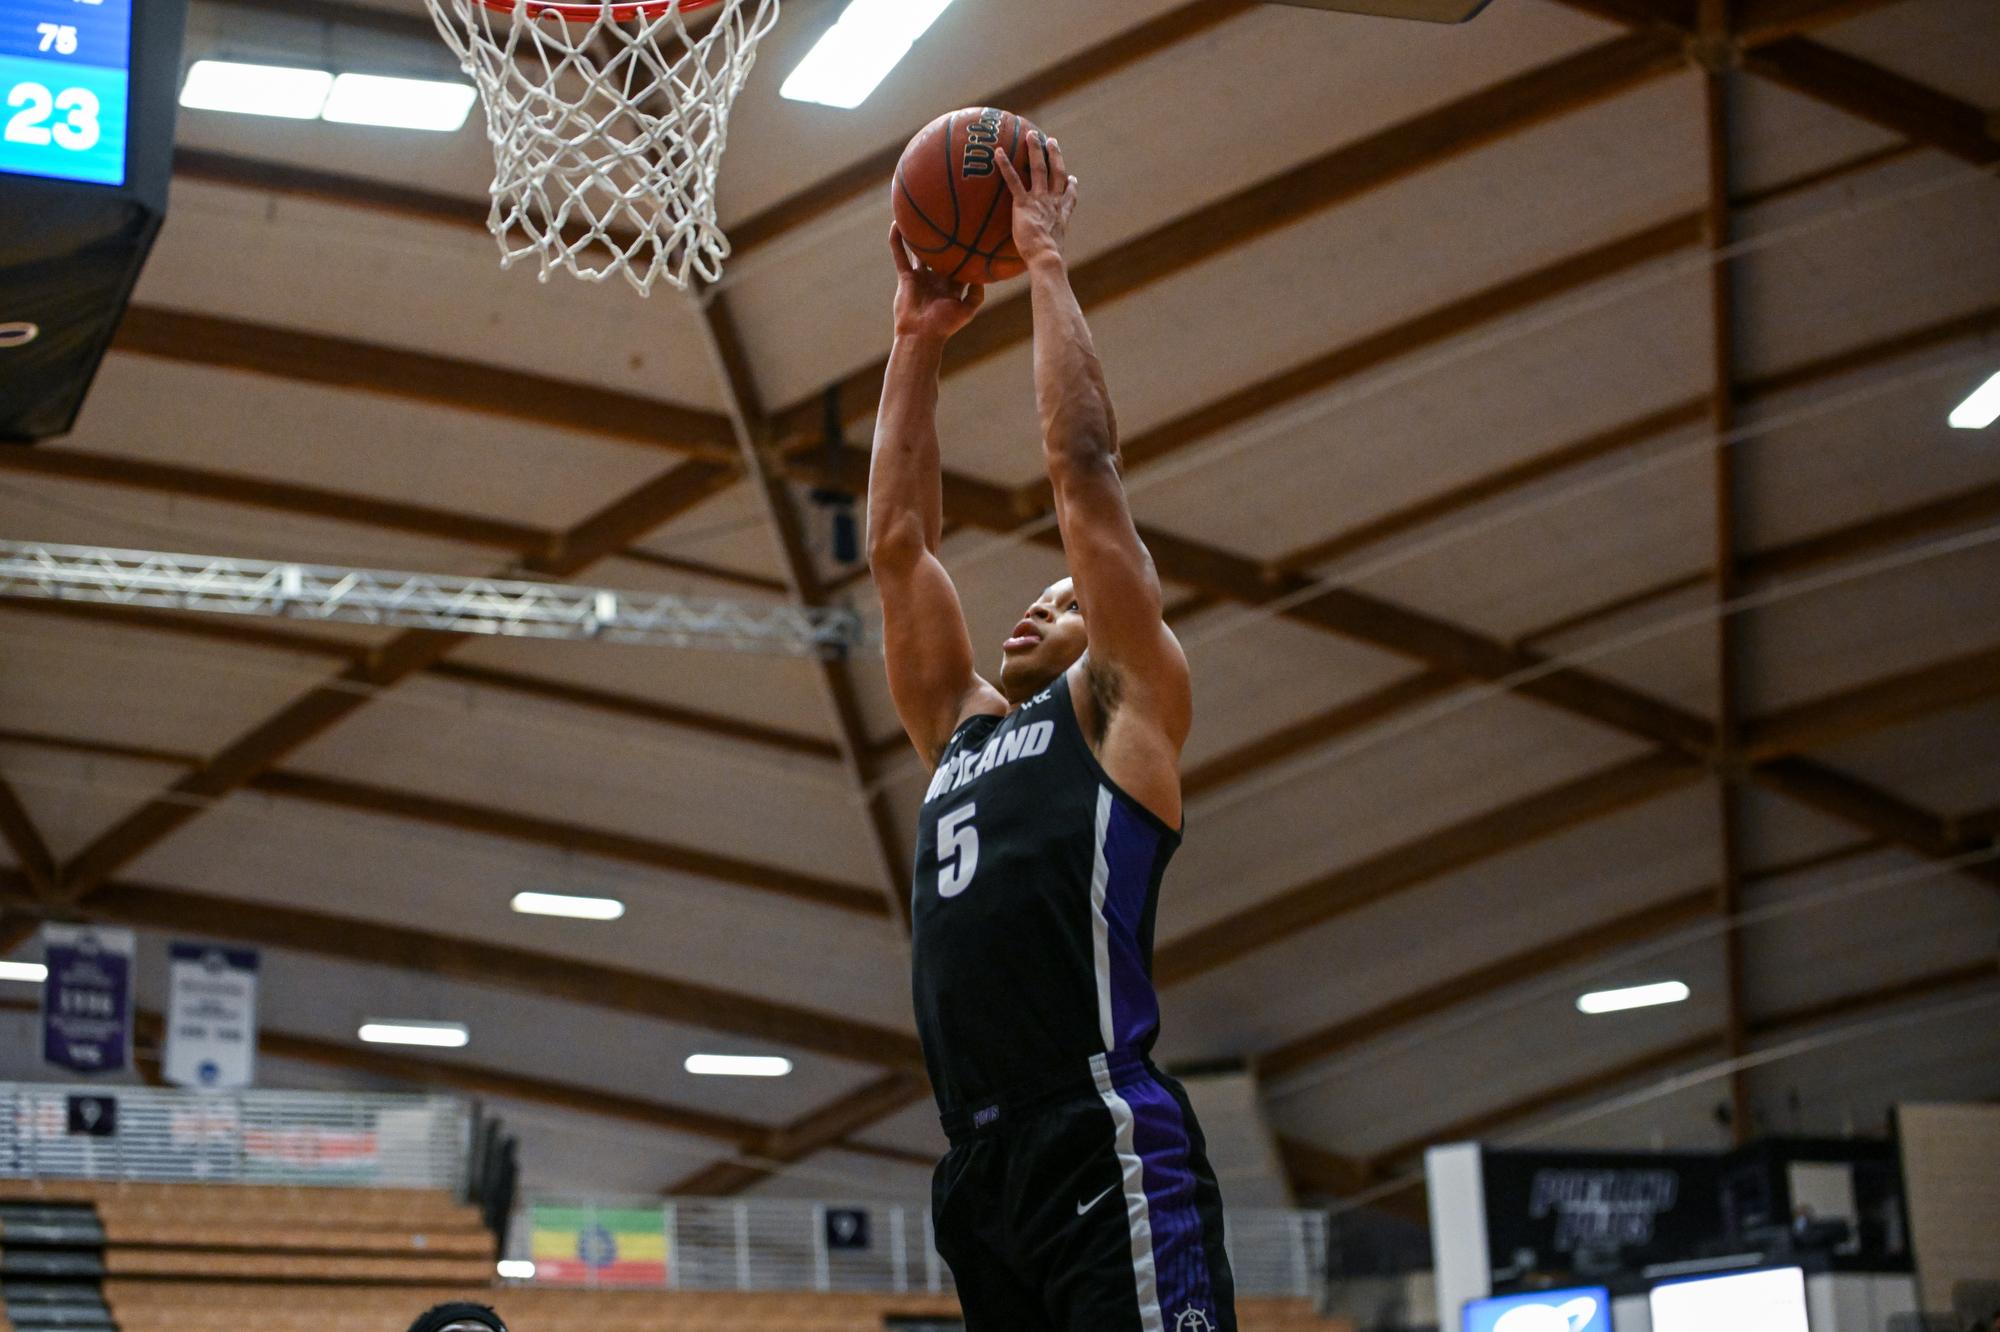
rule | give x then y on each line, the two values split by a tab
1980	410
1637	996
515	1269
419	104
256	90
562	904
34	972
739	1066
445	1035
859	51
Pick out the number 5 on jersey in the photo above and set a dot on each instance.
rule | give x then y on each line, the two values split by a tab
958	850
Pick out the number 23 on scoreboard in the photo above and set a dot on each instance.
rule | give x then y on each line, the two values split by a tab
78	131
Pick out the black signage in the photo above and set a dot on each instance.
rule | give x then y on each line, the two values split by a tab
846	1228
1596	1212
93	1116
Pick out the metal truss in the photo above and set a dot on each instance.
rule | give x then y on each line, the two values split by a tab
420	601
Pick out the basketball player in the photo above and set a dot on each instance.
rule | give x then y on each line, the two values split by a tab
1077	1195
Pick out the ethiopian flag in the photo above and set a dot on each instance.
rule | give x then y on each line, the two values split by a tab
600	1246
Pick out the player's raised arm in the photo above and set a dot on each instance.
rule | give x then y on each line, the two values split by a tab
1136	665
929	652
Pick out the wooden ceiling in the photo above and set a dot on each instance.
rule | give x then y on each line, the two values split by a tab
1538	425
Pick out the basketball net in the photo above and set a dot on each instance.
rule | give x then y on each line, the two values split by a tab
608	123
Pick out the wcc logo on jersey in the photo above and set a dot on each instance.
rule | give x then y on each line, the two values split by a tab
1019	743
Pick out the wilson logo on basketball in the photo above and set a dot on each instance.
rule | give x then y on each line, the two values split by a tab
981	137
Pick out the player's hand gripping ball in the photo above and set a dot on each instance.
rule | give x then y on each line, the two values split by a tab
952	204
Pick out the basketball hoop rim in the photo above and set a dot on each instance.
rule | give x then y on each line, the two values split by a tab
583	13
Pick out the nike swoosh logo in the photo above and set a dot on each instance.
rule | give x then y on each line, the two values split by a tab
1083	1207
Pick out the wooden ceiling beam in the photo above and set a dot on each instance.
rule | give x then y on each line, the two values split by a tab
1602	444
1877	95
435	811
485	820
1766	36
248	173
442	381
1856	802
826	1127
323	707
1430	329
686	1003
1393	154
340	506
1965	508
1297	737
872	173
1956	683
1854	712
764	470
254	492
1545	959
476	1080
1726	503
366	18
1090	65
1641	430
1707	1046
31	853
629	705
238	630
1430	856
1984	972
1760	22
1973	326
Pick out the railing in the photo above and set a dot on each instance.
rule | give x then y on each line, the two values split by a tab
772	1244
252	1137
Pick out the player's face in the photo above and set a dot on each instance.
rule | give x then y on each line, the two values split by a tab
1046	642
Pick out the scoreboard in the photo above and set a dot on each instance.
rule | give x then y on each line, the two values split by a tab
65	73
88	92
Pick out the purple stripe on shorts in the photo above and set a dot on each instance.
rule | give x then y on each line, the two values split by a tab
1180	1261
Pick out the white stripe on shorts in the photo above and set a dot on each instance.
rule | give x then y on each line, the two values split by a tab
1100	928
1137	1215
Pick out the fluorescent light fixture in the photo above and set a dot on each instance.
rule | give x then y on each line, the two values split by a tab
859	50
562	904
1637	996
739	1066
1980	410
515	1269
444	1035
33	972
256	90
419	104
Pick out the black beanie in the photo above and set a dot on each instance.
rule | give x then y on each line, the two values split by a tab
444	1315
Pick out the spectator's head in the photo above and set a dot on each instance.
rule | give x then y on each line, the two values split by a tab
458	1318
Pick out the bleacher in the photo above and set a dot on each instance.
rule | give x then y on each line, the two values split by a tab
149	1306
337	1212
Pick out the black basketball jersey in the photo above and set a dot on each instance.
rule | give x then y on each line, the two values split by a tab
1032	915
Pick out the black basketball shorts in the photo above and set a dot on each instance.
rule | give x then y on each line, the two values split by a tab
1091	1209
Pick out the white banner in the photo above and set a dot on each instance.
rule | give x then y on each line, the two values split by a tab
211	1017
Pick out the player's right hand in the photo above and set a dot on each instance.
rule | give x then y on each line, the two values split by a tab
927	304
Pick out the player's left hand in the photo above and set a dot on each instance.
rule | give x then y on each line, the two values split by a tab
1042	203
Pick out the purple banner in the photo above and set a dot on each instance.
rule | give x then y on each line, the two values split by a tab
87	998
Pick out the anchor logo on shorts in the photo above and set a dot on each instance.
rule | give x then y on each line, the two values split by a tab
1192	1319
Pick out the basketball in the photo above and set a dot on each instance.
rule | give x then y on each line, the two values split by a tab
951	202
